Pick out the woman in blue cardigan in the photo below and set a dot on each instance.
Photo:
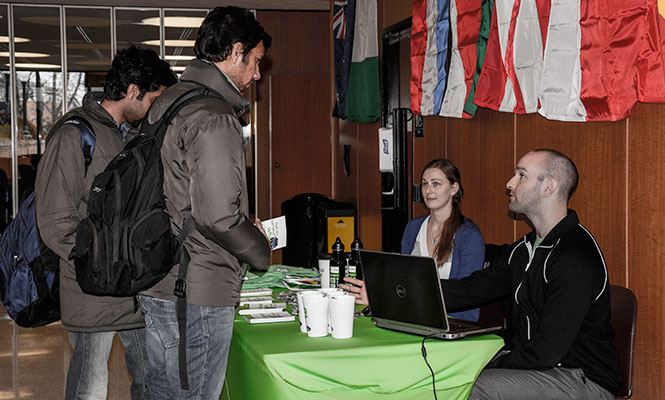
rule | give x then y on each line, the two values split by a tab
454	241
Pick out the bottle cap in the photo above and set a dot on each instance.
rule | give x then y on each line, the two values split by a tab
338	246
357	244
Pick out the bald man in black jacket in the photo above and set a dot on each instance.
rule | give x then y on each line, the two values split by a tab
557	280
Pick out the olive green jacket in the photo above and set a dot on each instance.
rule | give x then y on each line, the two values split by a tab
62	189
204	176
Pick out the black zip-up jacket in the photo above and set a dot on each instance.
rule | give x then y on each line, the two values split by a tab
560	302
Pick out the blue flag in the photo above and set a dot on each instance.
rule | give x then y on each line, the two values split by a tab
343	24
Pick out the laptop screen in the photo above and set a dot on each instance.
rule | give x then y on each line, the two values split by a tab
404	288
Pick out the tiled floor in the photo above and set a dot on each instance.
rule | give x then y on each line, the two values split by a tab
34	362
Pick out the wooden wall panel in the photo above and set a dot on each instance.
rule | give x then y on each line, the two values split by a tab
293	111
432	145
362	186
646	252
297	48
395	11
598	150
482	149
300	140
369	186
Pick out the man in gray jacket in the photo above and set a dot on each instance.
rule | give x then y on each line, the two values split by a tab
134	81
204	178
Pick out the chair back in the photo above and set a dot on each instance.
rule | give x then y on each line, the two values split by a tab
493	313
624	320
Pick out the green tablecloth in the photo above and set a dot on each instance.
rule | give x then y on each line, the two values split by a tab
277	361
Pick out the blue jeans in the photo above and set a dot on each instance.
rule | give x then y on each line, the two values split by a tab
550	384
87	377
209	331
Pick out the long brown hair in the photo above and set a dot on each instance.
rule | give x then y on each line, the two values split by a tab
445	241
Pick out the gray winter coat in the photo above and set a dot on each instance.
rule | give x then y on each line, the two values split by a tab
62	189
204	176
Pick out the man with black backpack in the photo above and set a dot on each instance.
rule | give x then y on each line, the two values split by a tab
205	185
136	78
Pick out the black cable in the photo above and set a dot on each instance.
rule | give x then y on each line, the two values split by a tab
424	351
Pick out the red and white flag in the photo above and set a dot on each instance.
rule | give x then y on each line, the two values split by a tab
600	59
651	65
514	60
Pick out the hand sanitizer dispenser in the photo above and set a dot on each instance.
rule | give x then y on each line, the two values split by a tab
386	149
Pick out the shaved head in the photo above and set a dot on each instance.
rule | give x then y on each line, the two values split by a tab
561	168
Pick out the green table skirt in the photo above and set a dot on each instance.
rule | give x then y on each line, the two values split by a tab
277	361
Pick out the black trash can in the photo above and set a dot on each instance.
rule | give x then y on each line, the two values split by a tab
312	221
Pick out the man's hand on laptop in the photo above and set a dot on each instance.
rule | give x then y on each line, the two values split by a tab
356	289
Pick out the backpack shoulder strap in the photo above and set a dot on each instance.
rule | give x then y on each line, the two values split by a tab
88	137
158	129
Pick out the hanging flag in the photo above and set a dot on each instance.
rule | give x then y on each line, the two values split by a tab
513	65
493	82
430	26
465	21
481	46
650	66
591	60
562	76
343	23
362	101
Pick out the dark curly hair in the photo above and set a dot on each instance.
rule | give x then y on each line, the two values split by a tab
141	67
225	26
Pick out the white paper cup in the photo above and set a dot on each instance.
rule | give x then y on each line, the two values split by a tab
324	272
301	307
341	316
316	315
331	292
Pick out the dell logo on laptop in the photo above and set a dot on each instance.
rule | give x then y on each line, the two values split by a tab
401	291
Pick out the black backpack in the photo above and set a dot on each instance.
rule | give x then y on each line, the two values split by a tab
125	245
30	271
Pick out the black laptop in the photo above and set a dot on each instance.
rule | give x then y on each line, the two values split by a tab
405	295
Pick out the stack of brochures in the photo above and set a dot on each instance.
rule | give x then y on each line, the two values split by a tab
279	316
258	306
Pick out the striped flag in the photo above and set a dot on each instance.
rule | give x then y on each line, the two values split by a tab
569	60
362	100
562	79
591	60
481	46
511	75
430	26
465	22
650	67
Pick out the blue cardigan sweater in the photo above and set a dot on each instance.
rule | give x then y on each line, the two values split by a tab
468	254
